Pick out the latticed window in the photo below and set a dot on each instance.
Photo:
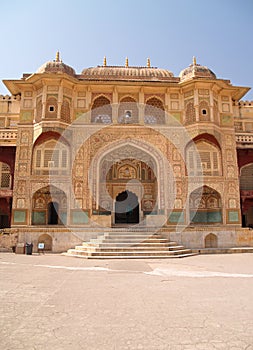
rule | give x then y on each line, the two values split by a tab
154	111
51	108
204	158
101	111
190	113
51	156
204	111
128	111
65	111
5	175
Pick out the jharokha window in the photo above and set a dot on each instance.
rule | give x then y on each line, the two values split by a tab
5	175
51	156
154	112
204	158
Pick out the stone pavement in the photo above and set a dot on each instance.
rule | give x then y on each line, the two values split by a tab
54	302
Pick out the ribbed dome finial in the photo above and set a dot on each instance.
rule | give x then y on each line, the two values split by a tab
194	61
57	57
104	62
148	62
126	62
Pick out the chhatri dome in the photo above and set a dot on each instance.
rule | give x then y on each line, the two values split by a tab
196	71
56	66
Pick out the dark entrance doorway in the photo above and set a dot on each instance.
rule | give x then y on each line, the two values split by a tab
53	208
126	208
5	212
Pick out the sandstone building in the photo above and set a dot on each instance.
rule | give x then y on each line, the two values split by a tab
124	146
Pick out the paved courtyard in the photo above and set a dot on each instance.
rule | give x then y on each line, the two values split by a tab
53	302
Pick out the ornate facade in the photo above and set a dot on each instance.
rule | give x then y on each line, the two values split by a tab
126	146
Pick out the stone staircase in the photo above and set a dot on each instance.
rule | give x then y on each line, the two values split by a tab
126	244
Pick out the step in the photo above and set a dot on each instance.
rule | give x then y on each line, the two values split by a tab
125	249
121	257
77	252
122	245
141	253
132	240
140	237
128	233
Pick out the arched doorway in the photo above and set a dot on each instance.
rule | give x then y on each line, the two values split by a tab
211	241
5	207
49	206
132	165
126	208
47	240
53	209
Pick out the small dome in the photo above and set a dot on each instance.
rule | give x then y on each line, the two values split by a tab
196	71
56	66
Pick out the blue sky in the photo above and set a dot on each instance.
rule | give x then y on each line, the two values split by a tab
217	32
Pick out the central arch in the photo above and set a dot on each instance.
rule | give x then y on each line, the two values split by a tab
123	149
126	208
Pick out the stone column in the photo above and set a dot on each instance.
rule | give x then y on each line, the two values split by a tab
211	107
60	100
115	105
44	101
141	106
196	104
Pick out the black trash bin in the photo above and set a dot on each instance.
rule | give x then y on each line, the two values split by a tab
28	248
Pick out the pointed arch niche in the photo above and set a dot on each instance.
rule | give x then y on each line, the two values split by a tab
154	111
205	206
49	206
101	110
128	112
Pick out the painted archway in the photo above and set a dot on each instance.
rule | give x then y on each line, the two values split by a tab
131	151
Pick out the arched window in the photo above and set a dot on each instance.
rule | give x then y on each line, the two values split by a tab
128	111
204	158
204	111
205	206
5	175
190	113
51	156
65	111
154	111
101	111
51	108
